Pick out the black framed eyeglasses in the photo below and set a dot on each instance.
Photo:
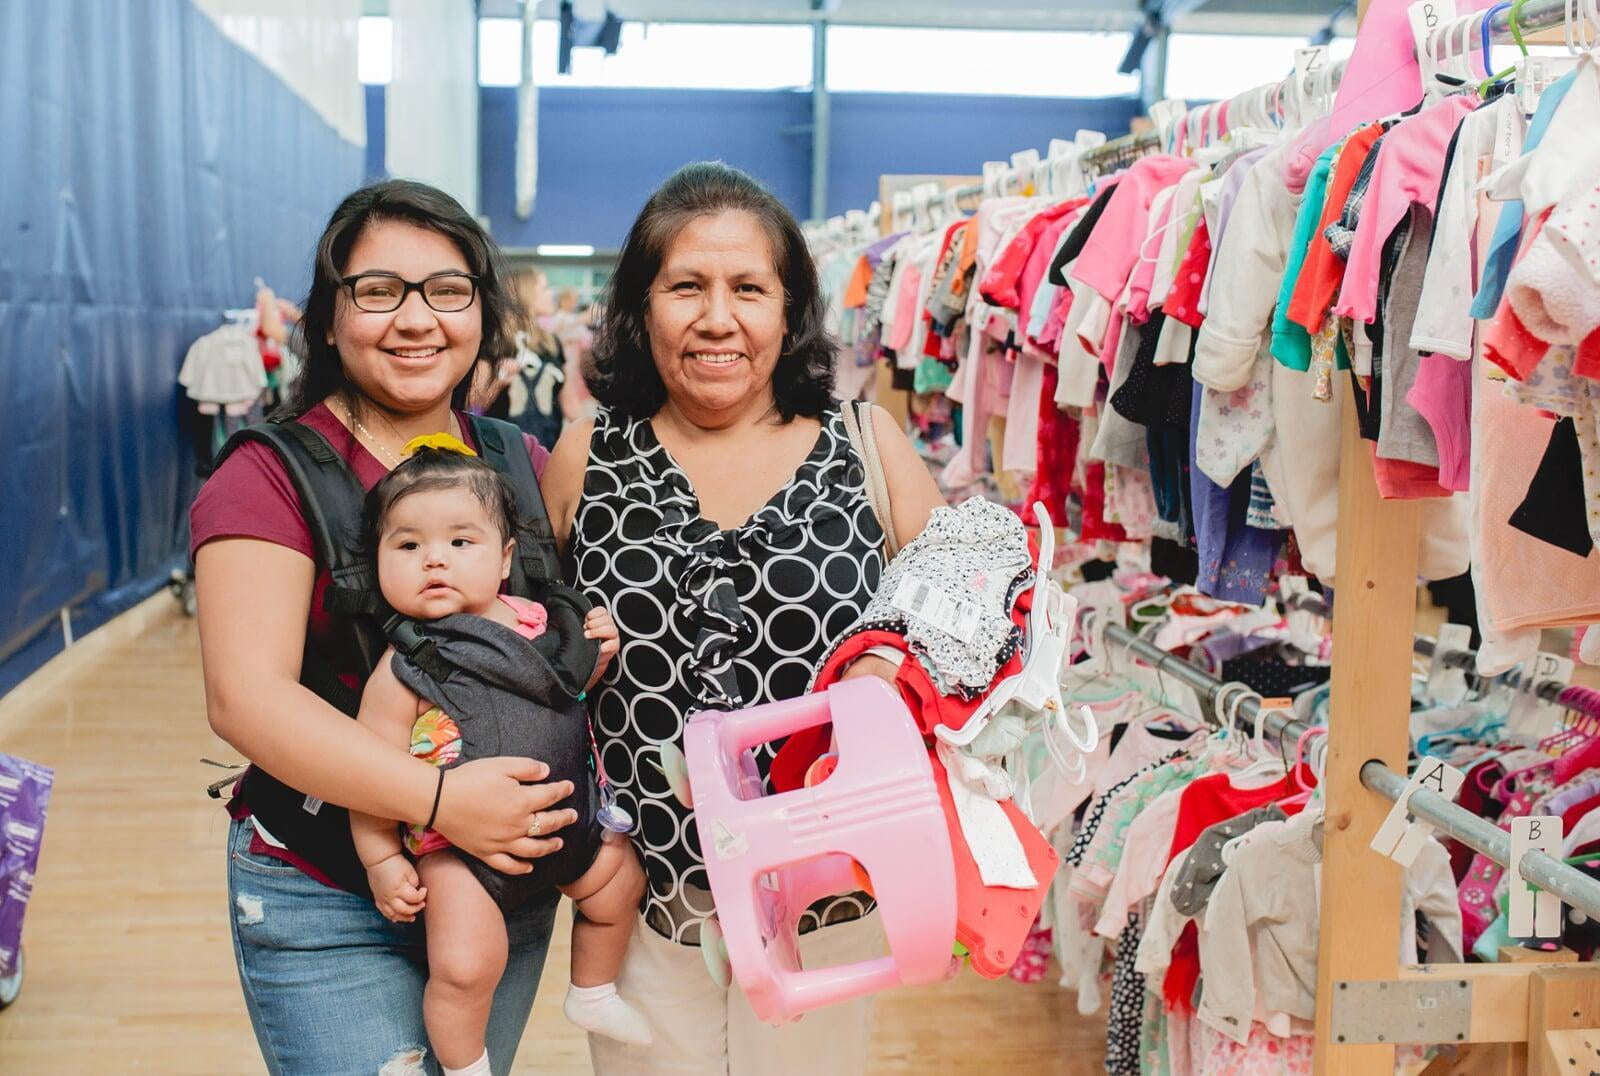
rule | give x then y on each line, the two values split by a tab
384	293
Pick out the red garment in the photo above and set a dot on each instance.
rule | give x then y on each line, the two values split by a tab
1183	300
1093	495
1405	480
1205	802
251	496
1509	345
1002	284
1587	362
1322	272
271	354
1057	452
1038	266
1574	814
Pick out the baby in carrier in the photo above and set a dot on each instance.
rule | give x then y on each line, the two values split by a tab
497	676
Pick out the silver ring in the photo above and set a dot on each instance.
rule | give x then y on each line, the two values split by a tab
534	827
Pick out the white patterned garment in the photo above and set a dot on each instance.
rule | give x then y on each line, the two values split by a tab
950	593
711	619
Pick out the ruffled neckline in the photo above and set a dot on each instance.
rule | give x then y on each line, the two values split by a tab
705	593
693	526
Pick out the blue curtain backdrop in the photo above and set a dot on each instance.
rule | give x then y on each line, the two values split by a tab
153	169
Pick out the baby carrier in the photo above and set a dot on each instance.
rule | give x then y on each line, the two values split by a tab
331	499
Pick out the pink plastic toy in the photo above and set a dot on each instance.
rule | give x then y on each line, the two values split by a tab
769	857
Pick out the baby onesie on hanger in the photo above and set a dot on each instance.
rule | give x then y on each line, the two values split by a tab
1291	343
1407	169
1444	322
1322	270
1403	433
1537	177
1248	264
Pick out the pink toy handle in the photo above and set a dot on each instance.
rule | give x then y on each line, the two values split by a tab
743	729
824	986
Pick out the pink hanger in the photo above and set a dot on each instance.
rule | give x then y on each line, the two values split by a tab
1304	795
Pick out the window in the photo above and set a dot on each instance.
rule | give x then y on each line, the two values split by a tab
375	50
1209	67
664	55
1028	63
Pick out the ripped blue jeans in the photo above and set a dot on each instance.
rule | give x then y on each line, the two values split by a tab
333	988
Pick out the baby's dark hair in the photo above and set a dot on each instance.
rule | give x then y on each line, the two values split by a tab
428	469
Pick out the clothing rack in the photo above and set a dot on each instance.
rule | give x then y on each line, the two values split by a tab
1518	1015
1572	886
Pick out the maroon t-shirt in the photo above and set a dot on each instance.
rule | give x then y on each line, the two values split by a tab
252	496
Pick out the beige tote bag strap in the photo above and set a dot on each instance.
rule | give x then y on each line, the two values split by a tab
858	426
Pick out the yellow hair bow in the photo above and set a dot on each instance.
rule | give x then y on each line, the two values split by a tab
444	442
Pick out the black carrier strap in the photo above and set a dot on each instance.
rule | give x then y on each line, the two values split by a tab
501	445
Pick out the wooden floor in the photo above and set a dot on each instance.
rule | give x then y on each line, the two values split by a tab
130	968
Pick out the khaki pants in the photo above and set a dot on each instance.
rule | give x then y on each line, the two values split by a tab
703	1029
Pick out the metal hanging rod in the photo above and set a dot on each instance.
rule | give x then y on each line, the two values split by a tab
1535	15
1548	873
1550	690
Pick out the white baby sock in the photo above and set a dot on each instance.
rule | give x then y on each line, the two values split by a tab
479	1067
600	1009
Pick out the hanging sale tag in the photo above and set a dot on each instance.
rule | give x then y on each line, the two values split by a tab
1426	18
1401	835
1534	913
1530	714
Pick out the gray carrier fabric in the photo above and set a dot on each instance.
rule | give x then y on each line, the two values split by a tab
512	696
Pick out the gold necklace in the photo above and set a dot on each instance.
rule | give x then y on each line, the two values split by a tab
371	441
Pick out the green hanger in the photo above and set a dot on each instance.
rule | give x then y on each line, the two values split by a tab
1515	18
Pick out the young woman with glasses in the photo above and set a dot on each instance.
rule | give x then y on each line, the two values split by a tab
407	299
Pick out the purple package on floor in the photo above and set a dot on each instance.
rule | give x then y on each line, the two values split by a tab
24	797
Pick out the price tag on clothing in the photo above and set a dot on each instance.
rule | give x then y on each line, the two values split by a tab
1531	714
931	605
1086	139
1534	913
1401	835
1448	684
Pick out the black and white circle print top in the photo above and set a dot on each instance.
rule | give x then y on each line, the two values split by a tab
711	619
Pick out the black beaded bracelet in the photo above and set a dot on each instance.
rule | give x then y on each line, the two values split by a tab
438	791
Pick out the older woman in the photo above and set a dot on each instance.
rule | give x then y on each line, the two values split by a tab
717	507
